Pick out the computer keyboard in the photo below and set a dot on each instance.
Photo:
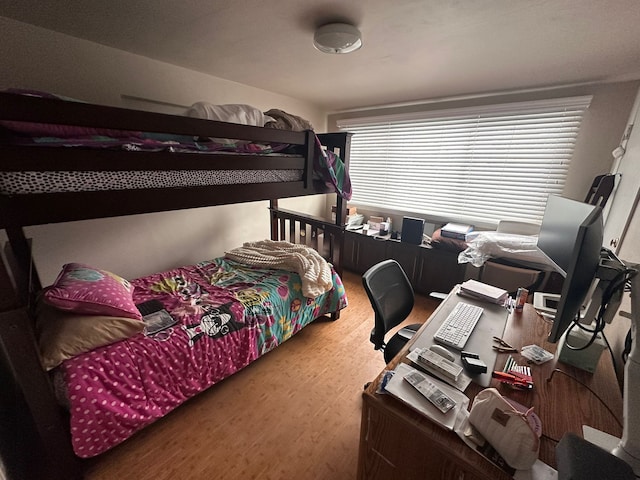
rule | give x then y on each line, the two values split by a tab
458	326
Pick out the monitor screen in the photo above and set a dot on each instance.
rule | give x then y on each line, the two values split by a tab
571	235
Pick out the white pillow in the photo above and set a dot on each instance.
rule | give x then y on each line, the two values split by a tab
233	113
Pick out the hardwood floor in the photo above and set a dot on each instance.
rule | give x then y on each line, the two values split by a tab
293	414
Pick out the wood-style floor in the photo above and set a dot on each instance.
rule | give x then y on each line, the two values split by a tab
292	414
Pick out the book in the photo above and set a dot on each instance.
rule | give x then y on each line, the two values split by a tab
484	291
456	230
150	306
157	321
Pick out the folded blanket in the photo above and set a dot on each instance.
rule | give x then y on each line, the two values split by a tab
286	121
314	271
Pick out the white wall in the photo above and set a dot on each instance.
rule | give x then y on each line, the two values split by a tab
133	246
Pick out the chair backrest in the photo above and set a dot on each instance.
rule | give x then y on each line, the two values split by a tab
511	277
391	296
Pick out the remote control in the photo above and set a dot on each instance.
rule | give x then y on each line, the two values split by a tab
430	391
431	359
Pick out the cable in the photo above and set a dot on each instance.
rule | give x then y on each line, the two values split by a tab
544	435
588	388
627	347
613	357
619	282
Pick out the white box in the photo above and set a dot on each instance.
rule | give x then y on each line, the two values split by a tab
586	359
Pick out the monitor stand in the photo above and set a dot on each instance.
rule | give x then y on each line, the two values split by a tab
547	303
628	447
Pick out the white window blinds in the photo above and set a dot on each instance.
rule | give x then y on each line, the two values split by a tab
477	165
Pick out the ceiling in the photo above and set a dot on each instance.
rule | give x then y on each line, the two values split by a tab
413	49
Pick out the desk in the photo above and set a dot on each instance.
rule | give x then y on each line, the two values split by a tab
396	442
428	269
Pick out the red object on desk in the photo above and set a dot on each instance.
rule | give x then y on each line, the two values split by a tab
515	379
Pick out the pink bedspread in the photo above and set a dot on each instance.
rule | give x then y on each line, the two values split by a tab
228	315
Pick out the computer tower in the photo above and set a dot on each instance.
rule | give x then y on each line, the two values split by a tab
412	230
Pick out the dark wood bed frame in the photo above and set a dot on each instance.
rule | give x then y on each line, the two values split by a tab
34	436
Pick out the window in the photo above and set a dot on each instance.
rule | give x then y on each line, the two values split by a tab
476	165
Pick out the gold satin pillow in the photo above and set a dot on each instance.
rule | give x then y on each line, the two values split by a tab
62	335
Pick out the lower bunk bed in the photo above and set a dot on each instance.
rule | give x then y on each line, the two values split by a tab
205	322
100	370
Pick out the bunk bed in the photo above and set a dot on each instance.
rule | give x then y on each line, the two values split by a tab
52	181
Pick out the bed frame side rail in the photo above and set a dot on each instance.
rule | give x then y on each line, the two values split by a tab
36	442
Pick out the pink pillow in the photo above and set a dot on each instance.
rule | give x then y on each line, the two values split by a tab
83	289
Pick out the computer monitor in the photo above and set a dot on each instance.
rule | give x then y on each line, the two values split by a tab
571	235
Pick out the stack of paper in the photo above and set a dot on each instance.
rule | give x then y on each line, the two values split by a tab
483	291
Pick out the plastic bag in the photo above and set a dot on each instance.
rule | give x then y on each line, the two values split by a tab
485	245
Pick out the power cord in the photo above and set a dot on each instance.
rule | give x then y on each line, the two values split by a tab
620	281
611	354
588	388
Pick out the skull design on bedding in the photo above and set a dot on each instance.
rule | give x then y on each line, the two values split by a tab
216	322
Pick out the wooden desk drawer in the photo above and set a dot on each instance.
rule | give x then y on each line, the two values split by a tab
396	449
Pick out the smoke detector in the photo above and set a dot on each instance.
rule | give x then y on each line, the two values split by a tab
337	38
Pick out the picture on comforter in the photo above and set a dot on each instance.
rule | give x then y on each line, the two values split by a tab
227	315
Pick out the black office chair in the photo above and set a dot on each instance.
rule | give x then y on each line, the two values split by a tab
392	298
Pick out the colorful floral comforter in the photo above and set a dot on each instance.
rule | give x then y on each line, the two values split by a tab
228	315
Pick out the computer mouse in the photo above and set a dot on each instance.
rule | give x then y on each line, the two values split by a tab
443	352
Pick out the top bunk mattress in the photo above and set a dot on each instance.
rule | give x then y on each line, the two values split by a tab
53	145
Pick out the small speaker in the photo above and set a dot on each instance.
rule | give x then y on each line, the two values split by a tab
412	230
